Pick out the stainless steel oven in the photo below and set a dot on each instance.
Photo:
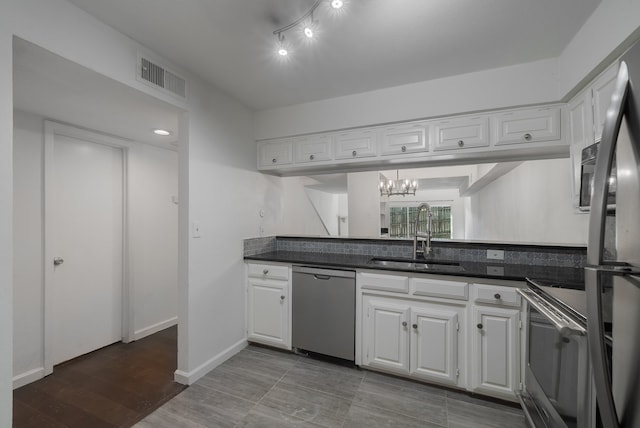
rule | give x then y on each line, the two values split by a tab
558	381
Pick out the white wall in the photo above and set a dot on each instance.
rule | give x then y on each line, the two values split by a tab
498	88
326	207
153	238
364	204
27	245
6	217
219	186
298	215
612	27
226	196
531	203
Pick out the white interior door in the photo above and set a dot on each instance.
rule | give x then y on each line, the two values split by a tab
84	228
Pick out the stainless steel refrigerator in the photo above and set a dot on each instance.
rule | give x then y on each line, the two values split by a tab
613	286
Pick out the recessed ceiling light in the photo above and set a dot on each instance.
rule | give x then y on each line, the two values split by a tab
308	31
337	4
162	132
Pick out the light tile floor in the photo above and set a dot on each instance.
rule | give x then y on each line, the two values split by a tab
262	387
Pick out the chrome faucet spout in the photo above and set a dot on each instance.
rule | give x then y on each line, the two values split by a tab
426	242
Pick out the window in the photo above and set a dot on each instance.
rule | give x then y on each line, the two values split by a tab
403	219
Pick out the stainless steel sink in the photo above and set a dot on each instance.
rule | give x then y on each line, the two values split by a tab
416	264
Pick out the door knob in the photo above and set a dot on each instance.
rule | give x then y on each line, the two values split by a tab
58	261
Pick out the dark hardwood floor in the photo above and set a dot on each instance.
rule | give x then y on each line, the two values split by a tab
115	386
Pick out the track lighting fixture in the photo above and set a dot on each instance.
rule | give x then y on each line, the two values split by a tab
306	23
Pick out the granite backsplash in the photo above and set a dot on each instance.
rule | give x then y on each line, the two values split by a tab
527	254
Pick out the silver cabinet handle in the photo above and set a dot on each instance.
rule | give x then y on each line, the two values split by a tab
353	153
404	323
58	261
312	157
527	136
460	143
265	271
403	148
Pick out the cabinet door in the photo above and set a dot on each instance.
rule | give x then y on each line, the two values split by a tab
527	126
313	149
268	312
434	343
462	133
580	135
386	334
356	144
274	153
601	92
495	357
404	139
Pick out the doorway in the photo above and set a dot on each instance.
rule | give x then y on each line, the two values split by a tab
85	240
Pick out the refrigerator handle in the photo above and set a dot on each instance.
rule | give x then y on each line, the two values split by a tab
595	252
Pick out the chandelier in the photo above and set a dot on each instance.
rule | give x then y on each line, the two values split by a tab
398	186
306	25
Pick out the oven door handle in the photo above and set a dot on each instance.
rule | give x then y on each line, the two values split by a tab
564	325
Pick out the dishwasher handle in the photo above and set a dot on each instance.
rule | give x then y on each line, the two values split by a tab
323	274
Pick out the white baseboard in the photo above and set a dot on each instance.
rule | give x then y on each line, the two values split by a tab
147	331
188	378
27	377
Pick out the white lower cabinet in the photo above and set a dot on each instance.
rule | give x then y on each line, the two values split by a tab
386	334
442	330
434	343
412	338
495	351
269	309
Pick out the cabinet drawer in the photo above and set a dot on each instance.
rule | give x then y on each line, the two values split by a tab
272	154
313	149
440	288
372	281
404	139
527	126
496	295
461	133
357	144
268	271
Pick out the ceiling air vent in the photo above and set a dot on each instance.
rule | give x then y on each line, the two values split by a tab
160	77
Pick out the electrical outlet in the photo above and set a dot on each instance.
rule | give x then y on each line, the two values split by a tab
495	254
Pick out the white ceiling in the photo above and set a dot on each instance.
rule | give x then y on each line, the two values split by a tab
58	89
374	44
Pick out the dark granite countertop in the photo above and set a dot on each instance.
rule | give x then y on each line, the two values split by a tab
505	271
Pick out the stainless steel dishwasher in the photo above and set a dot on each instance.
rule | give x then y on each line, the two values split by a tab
323	311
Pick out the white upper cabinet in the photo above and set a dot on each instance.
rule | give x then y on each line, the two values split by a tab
601	91
527	126
460	133
356	144
275	153
580	135
316	148
400	139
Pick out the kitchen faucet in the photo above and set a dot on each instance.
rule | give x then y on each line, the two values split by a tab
426	243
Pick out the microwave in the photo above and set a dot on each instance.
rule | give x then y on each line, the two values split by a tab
587	170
